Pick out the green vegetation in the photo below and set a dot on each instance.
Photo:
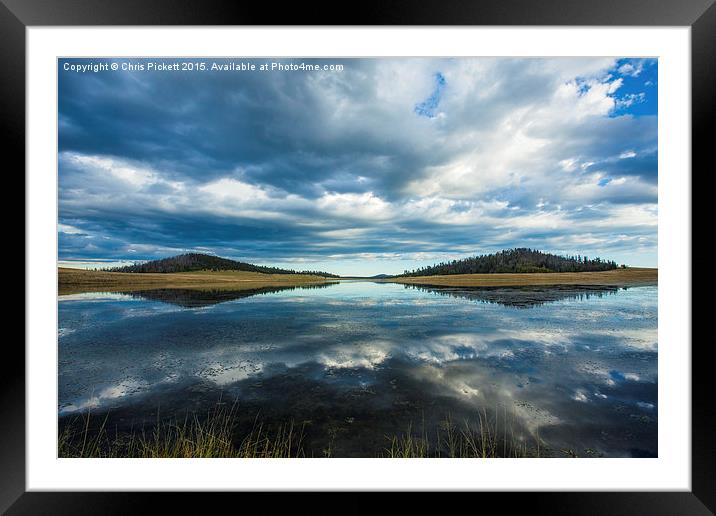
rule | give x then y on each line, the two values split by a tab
192	262
214	436
211	436
482	438
521	260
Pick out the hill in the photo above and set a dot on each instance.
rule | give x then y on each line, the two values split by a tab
192	262
520	260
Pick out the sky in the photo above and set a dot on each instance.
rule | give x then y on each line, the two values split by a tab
370	166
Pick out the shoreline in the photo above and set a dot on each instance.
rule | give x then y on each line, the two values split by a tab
76	281
629	277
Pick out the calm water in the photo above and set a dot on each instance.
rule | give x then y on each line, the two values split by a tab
358	361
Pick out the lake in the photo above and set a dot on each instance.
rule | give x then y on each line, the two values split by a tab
359	365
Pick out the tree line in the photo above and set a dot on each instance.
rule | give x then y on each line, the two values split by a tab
192	262
516	260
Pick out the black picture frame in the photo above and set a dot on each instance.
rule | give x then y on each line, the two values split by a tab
17	15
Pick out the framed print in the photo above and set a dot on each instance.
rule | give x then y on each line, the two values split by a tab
435	248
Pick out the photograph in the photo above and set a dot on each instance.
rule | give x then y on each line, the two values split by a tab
359	257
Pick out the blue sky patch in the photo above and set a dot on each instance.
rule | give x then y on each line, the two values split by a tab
638	94
428	107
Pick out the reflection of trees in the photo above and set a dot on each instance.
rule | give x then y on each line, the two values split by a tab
522	297
195	298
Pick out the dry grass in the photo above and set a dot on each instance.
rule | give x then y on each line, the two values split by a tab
193	437
618	277
73	281
481	438
215	435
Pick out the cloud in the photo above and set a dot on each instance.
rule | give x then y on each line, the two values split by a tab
391	157
366	206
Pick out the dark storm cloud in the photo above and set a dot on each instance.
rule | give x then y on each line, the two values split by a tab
279	129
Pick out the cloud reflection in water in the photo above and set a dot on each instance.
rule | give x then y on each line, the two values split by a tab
580	371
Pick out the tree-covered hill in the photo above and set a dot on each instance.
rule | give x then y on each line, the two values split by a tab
516	260
200	262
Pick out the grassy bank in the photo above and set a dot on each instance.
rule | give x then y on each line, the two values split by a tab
214	435
617	277
483	437
210	435
72	281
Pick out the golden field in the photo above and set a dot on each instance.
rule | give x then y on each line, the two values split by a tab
73	281
617	277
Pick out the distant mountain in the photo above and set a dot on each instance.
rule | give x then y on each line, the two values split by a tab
515	260
191	262
381	276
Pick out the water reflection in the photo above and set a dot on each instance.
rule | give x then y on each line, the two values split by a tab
199	297
522	297
359	361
